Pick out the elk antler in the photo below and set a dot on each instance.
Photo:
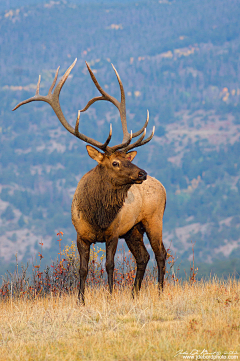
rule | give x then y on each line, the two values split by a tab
127	137
140	140
53	100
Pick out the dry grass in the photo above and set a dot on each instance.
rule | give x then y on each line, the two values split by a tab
205	315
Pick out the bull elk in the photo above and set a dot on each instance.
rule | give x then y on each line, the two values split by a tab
116	199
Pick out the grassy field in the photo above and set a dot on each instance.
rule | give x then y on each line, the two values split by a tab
205	315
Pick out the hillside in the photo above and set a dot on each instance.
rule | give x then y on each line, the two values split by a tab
178	59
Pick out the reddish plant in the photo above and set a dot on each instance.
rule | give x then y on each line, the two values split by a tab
63	274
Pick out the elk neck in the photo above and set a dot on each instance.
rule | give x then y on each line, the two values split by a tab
103	197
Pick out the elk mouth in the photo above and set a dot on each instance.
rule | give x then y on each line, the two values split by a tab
142	176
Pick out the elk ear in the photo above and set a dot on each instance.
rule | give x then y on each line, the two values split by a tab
94	153
131	155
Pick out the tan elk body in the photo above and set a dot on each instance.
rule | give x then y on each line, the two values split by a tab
116	199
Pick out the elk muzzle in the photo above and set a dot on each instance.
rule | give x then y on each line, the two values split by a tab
142	176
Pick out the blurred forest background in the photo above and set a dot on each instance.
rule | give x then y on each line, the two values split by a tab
180	60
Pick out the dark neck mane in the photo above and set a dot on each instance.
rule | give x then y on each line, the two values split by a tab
100	200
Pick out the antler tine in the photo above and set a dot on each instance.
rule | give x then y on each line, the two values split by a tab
136	134
55	79
122	145
121	86
108	139
38	85
93	100
62	81
122	109
150	137
140	141
77	123
34	98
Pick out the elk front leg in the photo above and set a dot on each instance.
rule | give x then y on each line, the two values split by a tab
154	233
84	251
134	240
111	247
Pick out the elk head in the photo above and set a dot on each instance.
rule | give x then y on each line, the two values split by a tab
117	167
121	151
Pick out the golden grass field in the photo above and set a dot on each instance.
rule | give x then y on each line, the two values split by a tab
205	315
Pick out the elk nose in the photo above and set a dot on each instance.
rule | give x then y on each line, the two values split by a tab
142	174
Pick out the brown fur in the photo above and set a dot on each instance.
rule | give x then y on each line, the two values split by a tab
116	202
99	199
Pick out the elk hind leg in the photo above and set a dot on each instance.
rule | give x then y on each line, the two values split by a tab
84	251
154	233
134	240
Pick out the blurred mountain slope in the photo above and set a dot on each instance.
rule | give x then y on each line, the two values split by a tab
179	59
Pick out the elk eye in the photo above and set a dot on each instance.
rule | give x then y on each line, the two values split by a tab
115	164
